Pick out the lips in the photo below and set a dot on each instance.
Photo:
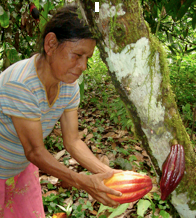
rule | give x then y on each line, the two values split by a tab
76	74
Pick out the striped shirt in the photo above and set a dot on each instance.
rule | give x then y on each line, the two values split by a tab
23	95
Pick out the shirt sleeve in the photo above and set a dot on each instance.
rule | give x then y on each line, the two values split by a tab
75	99
17	100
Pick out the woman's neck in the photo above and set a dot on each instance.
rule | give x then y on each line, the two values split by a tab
46	78
44	72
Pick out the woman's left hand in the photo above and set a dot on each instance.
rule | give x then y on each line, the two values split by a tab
94	185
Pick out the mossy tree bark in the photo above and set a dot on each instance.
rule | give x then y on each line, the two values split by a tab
138	67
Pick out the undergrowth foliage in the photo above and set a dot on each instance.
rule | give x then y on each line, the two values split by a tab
102	115
107	130
183	81
96	78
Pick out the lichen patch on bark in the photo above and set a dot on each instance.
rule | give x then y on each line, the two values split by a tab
180	202
139	73
133	71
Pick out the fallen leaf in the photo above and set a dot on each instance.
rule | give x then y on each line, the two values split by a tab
144	153
131	205
95	129
90	198
43	178
69	200
114	146
72	161
49	193
137	148
154	180
88	137
139	156
96	150
111	156
57	132
83	133
123	139
104	159
156	189
48	179
110	134
59	154
121	133
94	212
53	180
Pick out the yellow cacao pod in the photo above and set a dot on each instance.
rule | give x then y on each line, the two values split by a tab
132	185
59	215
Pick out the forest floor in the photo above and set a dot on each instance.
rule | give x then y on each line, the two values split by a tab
106	129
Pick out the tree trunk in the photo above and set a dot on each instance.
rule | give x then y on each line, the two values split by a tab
138	67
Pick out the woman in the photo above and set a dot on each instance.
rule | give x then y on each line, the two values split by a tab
34	94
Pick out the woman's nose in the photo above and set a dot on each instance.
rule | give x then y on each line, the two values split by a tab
83	64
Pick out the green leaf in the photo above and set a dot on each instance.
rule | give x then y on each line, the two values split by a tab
4	20
194	21
10	181
12	55
119	210
153	207
62	208
142	207
172	7
132	158
102	208
184	9
123	163
164	214
81	84
36	2
156	196
44	16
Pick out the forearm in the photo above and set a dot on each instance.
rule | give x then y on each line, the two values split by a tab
46	162
83	155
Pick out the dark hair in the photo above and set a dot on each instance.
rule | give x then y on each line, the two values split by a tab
67	26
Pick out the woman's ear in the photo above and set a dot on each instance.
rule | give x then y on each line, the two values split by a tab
50	43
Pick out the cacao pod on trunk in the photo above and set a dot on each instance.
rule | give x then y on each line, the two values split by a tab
132	185
172	170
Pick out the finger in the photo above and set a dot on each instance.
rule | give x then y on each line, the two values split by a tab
103	198
113	192
108	174
117	171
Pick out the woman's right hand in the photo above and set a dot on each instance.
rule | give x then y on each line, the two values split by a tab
94	185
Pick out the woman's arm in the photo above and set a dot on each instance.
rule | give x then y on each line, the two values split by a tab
76	147
93	184
30	135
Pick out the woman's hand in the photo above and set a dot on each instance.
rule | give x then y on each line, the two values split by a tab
94	185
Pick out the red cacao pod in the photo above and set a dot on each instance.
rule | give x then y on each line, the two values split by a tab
132	185
172	170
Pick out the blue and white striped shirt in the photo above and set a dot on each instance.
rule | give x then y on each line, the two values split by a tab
23	95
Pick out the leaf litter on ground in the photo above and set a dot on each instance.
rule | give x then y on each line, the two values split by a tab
110	142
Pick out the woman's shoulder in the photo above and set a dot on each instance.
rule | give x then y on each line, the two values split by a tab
18	72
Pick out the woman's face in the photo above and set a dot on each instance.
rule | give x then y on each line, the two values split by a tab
69	59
